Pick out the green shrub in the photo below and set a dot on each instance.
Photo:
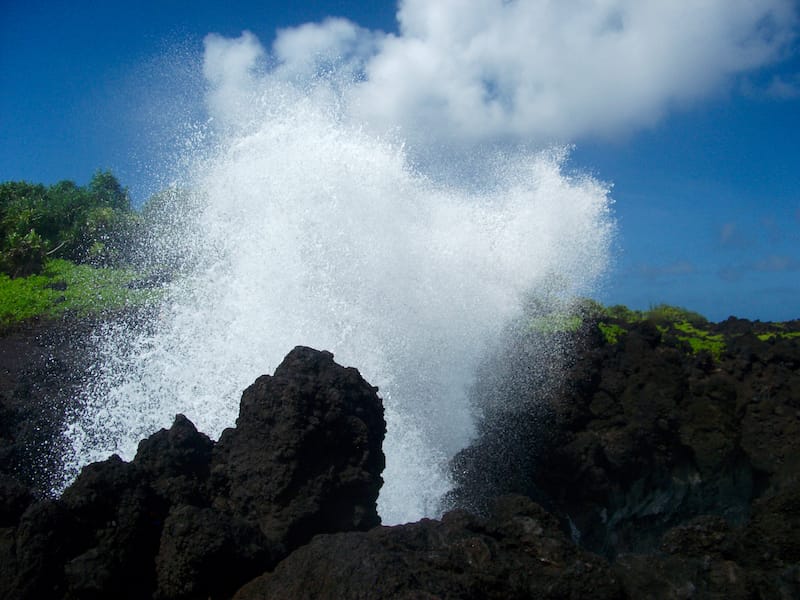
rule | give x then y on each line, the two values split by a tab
665	313
623	313
23	254
611	332
92	224
700	340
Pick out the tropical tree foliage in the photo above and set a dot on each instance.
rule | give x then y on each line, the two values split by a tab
93	224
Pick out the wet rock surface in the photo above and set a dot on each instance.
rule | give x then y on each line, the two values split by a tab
647	435
40	370
653	470
190	518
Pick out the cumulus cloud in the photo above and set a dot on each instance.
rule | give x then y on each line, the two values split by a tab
560	70
230	67
532	71
333	44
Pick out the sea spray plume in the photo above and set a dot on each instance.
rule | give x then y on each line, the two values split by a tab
306	228
517	387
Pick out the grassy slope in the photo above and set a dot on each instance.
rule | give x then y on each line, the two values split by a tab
66	287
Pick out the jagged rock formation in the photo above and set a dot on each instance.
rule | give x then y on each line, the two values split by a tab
188	518
517	552
671	458
663	467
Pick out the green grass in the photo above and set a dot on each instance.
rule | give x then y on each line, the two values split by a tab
66	287
611	332
700	340
784	335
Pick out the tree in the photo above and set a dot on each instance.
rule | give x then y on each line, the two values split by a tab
107	191
25	254
92	224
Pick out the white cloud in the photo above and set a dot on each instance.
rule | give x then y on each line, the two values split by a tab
230	68
532	71
777	264
303	50
772	263
561	69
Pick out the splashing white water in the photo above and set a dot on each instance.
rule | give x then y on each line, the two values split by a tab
301	228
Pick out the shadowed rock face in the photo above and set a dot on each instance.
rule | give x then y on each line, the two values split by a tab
674	473
188	518
305	456
517	552
681	466
42	364
643	434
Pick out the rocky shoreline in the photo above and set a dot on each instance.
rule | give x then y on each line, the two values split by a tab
680	467
654	469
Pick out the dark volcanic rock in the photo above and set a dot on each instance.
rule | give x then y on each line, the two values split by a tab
319	470
204	553
178	462
518	552
14	499
672	466
188	518
646	434
678	463
42	364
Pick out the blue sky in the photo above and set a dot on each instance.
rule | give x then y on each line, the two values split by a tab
700	143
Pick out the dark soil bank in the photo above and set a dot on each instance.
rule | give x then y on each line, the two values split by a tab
42	366
661	467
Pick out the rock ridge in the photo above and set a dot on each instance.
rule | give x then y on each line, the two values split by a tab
659	467
191	518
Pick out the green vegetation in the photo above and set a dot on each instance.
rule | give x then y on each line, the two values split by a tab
783	335
91	225
700	340
614	322
673	322
66	287
67	248
684	329
660	314
556	323
611	332
664	314
622	313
